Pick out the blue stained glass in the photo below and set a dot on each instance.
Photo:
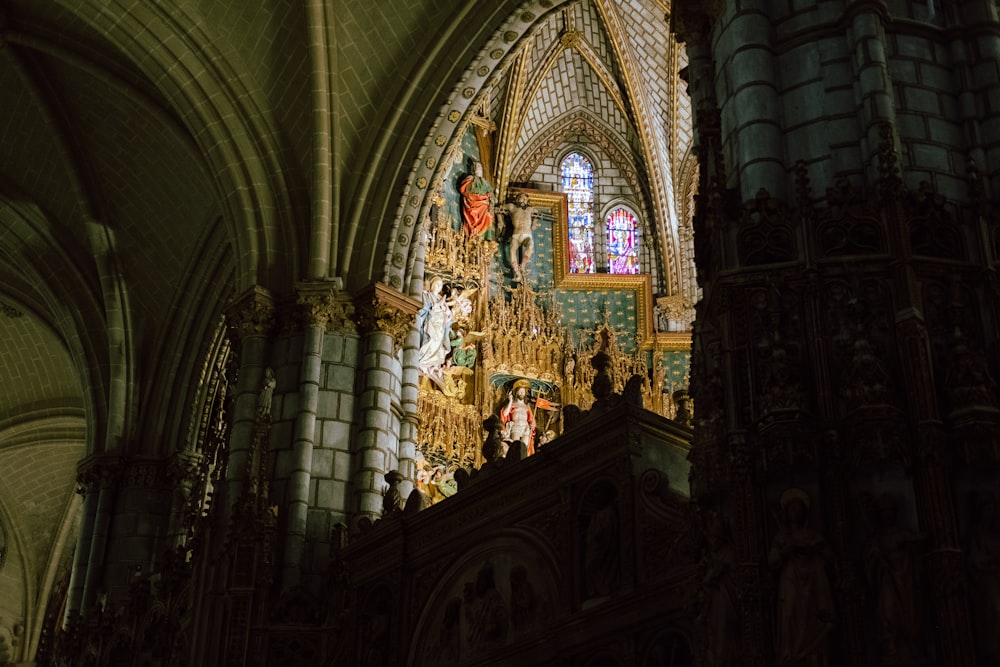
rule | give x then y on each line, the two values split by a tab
623	242
578	184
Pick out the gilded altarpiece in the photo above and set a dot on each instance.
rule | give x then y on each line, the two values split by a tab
485	330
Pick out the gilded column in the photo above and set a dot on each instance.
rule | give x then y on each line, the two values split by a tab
384	318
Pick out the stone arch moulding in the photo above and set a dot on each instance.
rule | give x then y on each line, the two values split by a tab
511	554
621	202
551	139
244	161
433	159
30	240
579	149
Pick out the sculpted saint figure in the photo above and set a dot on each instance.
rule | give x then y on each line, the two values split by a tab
477	203
893	564
517	416
523	220
719	616
434	323
805	603
266	393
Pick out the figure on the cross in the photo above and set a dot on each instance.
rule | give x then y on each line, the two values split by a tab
523	219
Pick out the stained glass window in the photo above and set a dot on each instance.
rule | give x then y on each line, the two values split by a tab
622	241
578	184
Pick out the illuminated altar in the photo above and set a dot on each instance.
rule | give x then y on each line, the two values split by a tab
542	330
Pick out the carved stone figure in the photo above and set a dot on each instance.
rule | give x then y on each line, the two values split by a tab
461	304
376	645
601	561
445	649
805	606
392	501
632	393
892	571
416	502
719	616
523	221
477	203
984	571
488	620
681	400
662	317
266	393
523	601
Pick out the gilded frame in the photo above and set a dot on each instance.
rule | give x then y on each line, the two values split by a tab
640	284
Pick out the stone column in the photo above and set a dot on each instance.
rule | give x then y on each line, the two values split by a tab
384	318
139	524
977	79
319	307
251	321
100	473
847	409
410	420
871	71
751	93
86	486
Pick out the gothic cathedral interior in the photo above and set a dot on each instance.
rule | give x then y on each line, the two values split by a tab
591	333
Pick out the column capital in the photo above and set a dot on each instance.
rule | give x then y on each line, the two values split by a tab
693	21
251	314
98	472
379	307
183	465
319	305
144	473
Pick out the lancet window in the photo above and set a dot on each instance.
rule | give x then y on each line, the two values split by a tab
578	184
611	248
622	234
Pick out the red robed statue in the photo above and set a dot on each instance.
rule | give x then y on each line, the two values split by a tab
477	203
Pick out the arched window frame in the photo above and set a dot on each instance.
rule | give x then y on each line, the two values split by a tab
637	249
576	264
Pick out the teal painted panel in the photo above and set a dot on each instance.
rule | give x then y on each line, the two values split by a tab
676	363
582	310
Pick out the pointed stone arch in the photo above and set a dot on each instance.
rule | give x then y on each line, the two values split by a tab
220	109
